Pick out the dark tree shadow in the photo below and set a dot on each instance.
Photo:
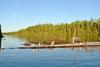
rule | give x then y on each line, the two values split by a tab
0	42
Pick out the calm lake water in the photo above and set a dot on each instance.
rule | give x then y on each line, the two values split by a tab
57	57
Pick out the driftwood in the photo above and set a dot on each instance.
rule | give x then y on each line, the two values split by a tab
75	40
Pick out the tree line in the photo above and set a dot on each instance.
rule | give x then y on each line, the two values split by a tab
86	30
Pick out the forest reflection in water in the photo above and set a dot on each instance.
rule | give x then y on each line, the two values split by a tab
11	42
1	44
55	57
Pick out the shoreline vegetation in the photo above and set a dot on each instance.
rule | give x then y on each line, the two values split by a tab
85	30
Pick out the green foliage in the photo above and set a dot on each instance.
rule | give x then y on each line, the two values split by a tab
87	30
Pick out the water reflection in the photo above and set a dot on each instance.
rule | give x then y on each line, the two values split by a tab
55	57
1	44
12	42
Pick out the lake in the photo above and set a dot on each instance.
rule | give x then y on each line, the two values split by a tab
55	57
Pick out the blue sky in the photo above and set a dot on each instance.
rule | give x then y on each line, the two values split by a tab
18	14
